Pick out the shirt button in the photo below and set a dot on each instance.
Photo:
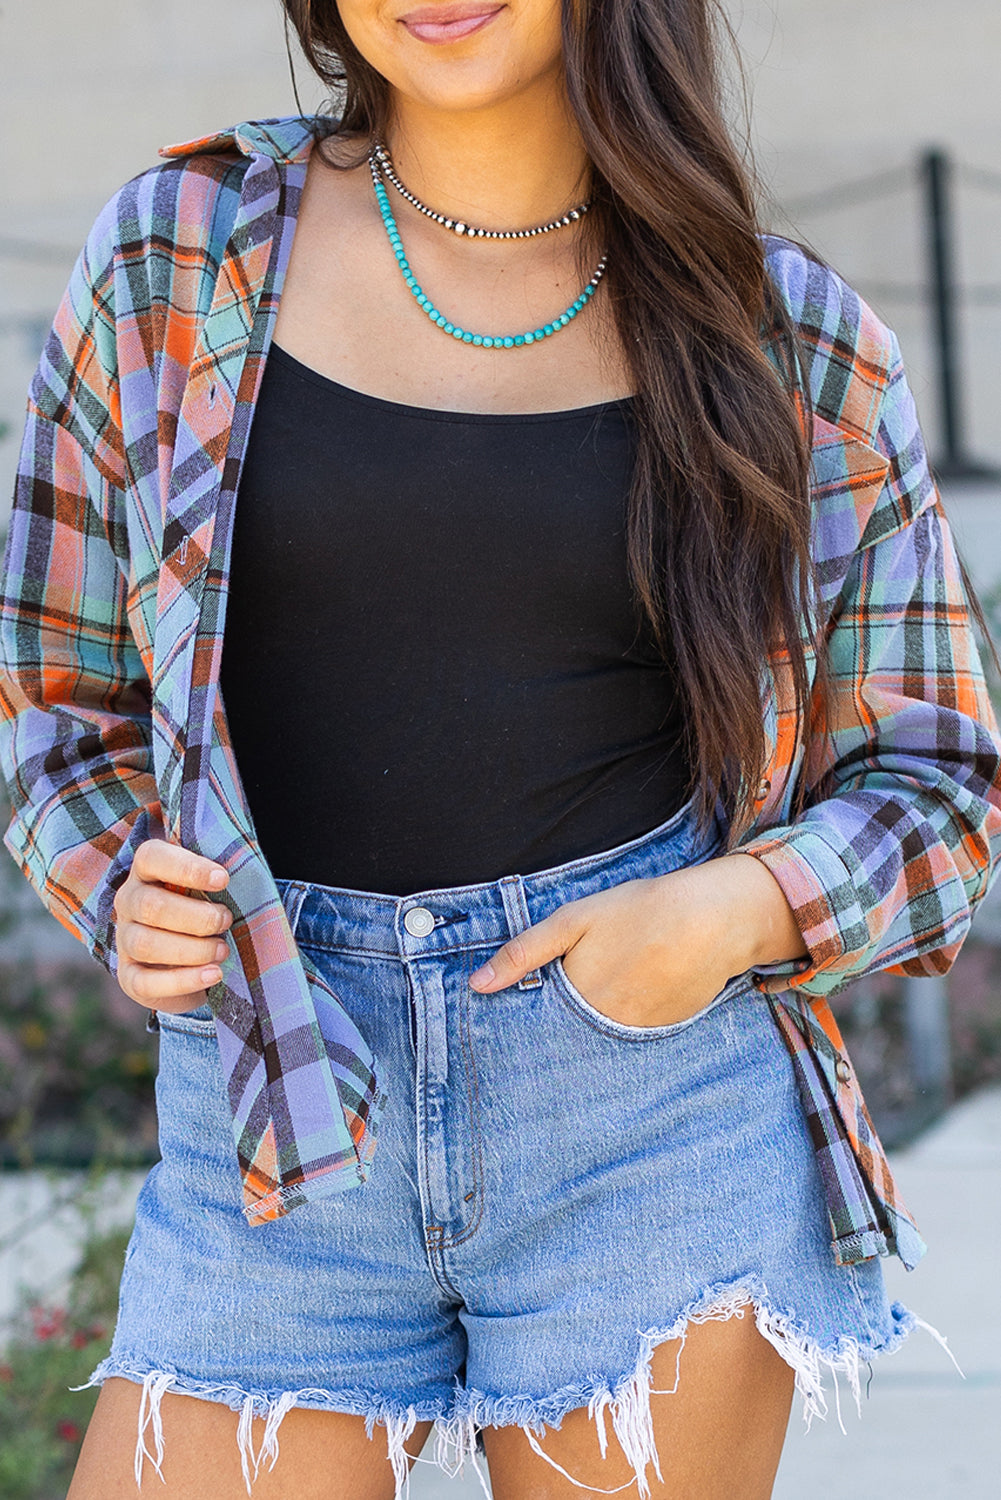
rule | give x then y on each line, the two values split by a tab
419	921
842	1071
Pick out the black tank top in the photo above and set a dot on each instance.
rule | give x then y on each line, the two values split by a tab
434	670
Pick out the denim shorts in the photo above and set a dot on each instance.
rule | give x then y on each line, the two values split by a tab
553	1194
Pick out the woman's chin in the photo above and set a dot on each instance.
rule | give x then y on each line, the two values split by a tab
461	90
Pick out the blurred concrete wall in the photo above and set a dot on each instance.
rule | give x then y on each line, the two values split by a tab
88	92
859	87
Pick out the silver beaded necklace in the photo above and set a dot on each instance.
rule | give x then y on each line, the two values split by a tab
486	341
379	157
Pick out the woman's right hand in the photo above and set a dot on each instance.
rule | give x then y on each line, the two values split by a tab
169	943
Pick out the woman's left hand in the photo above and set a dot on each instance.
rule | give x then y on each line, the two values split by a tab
654	952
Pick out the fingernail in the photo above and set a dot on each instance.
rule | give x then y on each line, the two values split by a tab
211	975
222	950
218	878
485	975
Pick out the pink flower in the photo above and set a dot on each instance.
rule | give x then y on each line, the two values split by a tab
48	1325
69	1432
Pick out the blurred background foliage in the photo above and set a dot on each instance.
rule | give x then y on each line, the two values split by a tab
76	1062
49	1350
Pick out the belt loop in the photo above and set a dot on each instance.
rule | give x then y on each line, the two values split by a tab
293	894
512	889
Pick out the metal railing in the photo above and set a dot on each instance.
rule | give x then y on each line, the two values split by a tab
932	178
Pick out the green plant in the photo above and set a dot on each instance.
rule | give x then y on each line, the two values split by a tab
50	1350
76	1064
75	1075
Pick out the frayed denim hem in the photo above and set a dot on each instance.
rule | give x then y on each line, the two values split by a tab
398	1419
623	1406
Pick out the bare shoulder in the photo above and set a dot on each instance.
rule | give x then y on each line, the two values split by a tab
337	200
337	174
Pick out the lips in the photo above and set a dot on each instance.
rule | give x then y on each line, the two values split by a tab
449	23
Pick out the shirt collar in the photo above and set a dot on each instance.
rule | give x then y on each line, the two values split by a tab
287	139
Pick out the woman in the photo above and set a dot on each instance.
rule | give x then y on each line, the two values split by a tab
600	675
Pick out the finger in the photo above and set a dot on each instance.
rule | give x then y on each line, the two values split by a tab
531	949
155	859
174	1005
156	906
152	945
151	986
179	1004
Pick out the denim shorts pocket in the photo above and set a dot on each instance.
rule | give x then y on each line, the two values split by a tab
586	1012
191	1023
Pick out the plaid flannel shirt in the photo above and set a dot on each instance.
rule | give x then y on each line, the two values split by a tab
114	731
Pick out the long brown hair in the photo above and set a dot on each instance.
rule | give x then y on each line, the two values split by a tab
719	515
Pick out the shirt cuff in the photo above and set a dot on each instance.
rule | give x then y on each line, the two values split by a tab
822	894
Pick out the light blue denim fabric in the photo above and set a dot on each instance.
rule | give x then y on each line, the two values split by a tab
553	1194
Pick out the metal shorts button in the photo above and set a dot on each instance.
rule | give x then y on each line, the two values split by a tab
842	1071
419	921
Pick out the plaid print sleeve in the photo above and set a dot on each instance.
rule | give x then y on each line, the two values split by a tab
111	730
902	832
75	736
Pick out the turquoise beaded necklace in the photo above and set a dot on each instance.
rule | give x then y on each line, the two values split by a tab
481	340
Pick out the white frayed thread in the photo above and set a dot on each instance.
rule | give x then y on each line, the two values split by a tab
454	1443
632	1418
627	1407
277	1413
808	1363
245	1442
538	1450
398	1430
940	1339
155	1384
273	1418
632	1424
454	1447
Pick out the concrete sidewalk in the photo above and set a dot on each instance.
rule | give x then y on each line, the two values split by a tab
925	1434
